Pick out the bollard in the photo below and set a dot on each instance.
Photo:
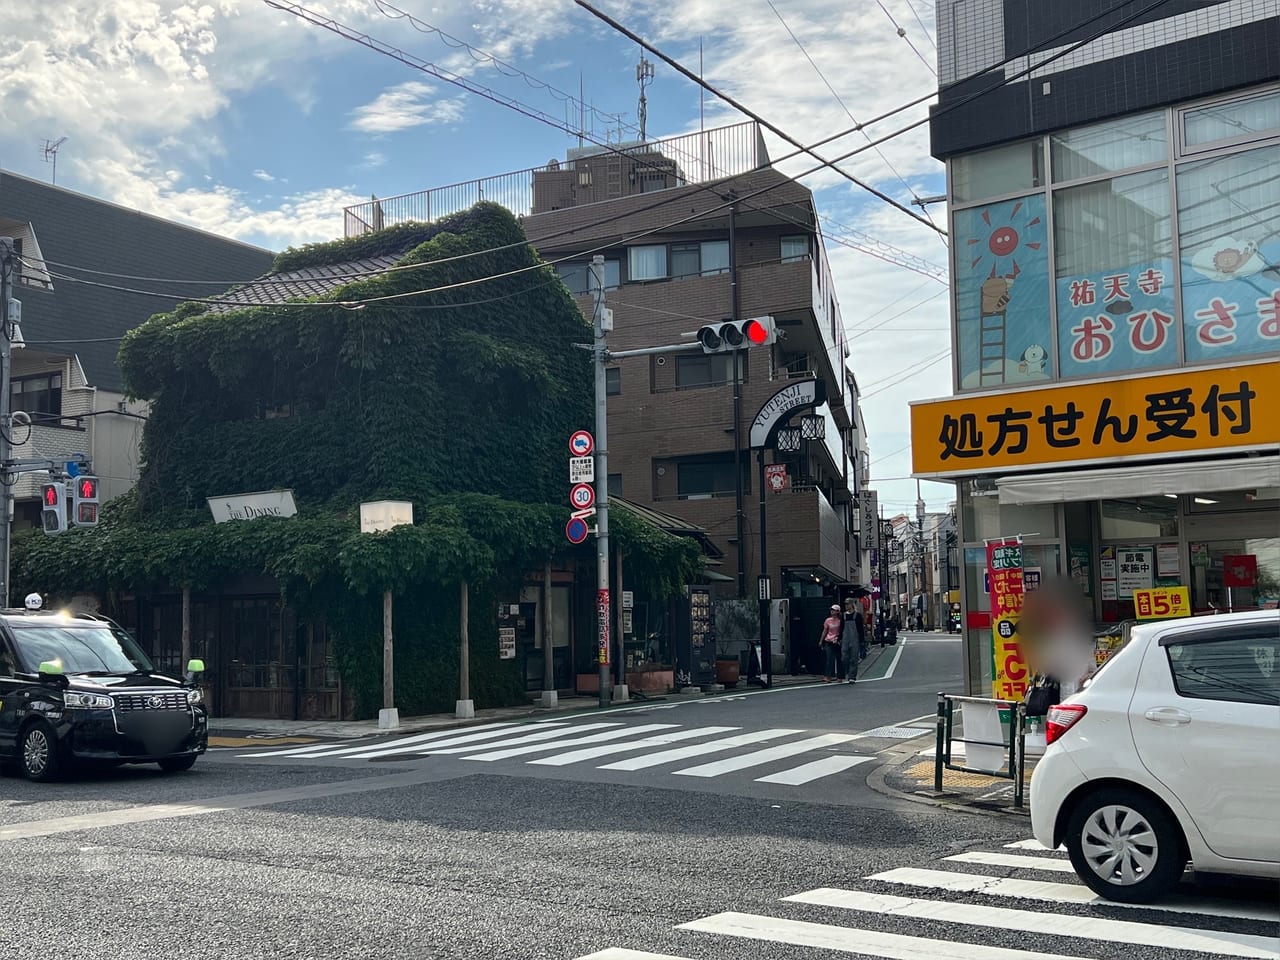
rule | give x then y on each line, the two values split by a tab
939	737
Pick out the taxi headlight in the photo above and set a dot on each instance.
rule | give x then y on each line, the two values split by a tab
86	701
195	696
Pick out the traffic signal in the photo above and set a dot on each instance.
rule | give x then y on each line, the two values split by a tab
84	502
737	334
53	507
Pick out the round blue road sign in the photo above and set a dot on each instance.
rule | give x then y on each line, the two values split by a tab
576	530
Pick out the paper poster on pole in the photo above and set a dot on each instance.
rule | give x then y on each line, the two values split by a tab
1009	672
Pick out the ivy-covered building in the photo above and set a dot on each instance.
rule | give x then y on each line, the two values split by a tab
430	363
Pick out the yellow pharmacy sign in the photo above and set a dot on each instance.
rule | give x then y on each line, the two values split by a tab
1162	603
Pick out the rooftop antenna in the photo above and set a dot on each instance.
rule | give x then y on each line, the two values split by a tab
644	76
51	155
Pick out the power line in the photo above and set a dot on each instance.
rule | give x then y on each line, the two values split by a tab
690	75
903	34
862	332
912	7
908	373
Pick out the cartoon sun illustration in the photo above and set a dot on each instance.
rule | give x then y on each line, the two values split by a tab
1004	241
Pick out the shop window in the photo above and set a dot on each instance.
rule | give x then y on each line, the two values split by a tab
647	262
998	172
1229	233
795	249
1233	122
1229	575
1108	147
1224	501
1236	669
985	518
1139	518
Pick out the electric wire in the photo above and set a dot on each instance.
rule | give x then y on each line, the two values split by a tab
912	7
908	374
903	34
864	331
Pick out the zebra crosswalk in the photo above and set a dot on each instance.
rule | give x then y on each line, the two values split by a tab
778	756
1092	930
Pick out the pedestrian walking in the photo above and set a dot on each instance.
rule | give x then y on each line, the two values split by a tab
832	628
852	643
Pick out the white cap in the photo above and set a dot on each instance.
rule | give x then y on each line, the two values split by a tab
34	601
835	606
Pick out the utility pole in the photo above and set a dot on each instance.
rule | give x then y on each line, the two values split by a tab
739	514
8	259
920	608
602	321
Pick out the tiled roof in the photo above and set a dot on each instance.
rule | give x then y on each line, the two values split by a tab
300	284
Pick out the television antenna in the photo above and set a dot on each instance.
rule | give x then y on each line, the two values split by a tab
51	155
644	76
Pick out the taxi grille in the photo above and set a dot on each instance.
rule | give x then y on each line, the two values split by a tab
138	702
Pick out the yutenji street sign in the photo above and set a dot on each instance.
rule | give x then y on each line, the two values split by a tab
582	496
582	470
576	530
581	443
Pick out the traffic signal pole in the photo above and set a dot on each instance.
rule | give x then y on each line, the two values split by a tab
8	259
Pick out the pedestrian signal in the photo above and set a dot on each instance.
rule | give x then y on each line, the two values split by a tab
53	507
84	511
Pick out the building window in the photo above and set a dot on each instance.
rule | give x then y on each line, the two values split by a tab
613	381
39	396
705	370
685	260
1239	122
647	262
795	248
715	257
577	276
615	484
711	477
999	172
1228	219
1103	148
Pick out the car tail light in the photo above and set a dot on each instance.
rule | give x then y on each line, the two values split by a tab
1061	719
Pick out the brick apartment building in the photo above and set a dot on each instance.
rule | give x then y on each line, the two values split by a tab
671	418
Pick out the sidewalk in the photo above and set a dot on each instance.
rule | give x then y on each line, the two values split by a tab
246	731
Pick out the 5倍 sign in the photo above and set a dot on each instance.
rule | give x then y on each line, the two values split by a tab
1184	411
1162	603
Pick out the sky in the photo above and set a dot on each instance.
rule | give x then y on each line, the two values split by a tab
239	118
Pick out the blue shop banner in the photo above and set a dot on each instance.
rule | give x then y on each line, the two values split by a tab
1118	319
1231	299
1002	294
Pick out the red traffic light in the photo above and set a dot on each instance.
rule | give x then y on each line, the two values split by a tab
756	332
87	488
50	495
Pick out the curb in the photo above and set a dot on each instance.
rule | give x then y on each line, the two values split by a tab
877	781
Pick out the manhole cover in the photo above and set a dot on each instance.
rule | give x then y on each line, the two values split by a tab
894	733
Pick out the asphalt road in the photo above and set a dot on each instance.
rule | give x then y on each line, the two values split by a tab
437	855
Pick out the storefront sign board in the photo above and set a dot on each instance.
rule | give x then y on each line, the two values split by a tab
1162	603
1137	571
1009	672
1160	415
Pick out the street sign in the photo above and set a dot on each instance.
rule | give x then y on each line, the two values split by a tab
582	470
581	443
775	477
628	600
765	588
582	496
602	626
576	530
626	621
506	643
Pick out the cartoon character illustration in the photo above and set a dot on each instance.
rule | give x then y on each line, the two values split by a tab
1032	363
1029	366
995	295
1228	259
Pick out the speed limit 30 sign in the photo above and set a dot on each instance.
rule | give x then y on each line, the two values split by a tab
582	496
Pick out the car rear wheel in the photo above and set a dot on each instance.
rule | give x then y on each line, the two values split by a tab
1125	846
178	764
38	753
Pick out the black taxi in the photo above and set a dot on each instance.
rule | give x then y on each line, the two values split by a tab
79	688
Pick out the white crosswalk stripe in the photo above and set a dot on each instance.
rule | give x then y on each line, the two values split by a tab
562	743
970	926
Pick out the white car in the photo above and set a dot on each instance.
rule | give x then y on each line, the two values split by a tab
1169	755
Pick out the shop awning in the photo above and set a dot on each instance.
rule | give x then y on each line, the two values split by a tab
1152	479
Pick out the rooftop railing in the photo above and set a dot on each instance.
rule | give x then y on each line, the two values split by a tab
698	158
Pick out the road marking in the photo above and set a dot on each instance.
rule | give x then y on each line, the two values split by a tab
451	739
1010	860
591	753
1031	845
1076	893
240	801
615	953
1051	924
330	749
815	770
893	665
508	752
866	943
768	755
697	750
446	747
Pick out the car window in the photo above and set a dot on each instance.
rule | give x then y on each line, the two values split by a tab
1239	666
79	648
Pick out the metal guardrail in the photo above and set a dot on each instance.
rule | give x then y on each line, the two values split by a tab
1015	744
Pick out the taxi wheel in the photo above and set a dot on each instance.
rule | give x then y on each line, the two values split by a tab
38	753
178	764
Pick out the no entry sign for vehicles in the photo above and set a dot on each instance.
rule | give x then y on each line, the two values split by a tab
581	443
583	495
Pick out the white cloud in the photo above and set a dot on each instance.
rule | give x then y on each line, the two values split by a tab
405	106
263	175
375	159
